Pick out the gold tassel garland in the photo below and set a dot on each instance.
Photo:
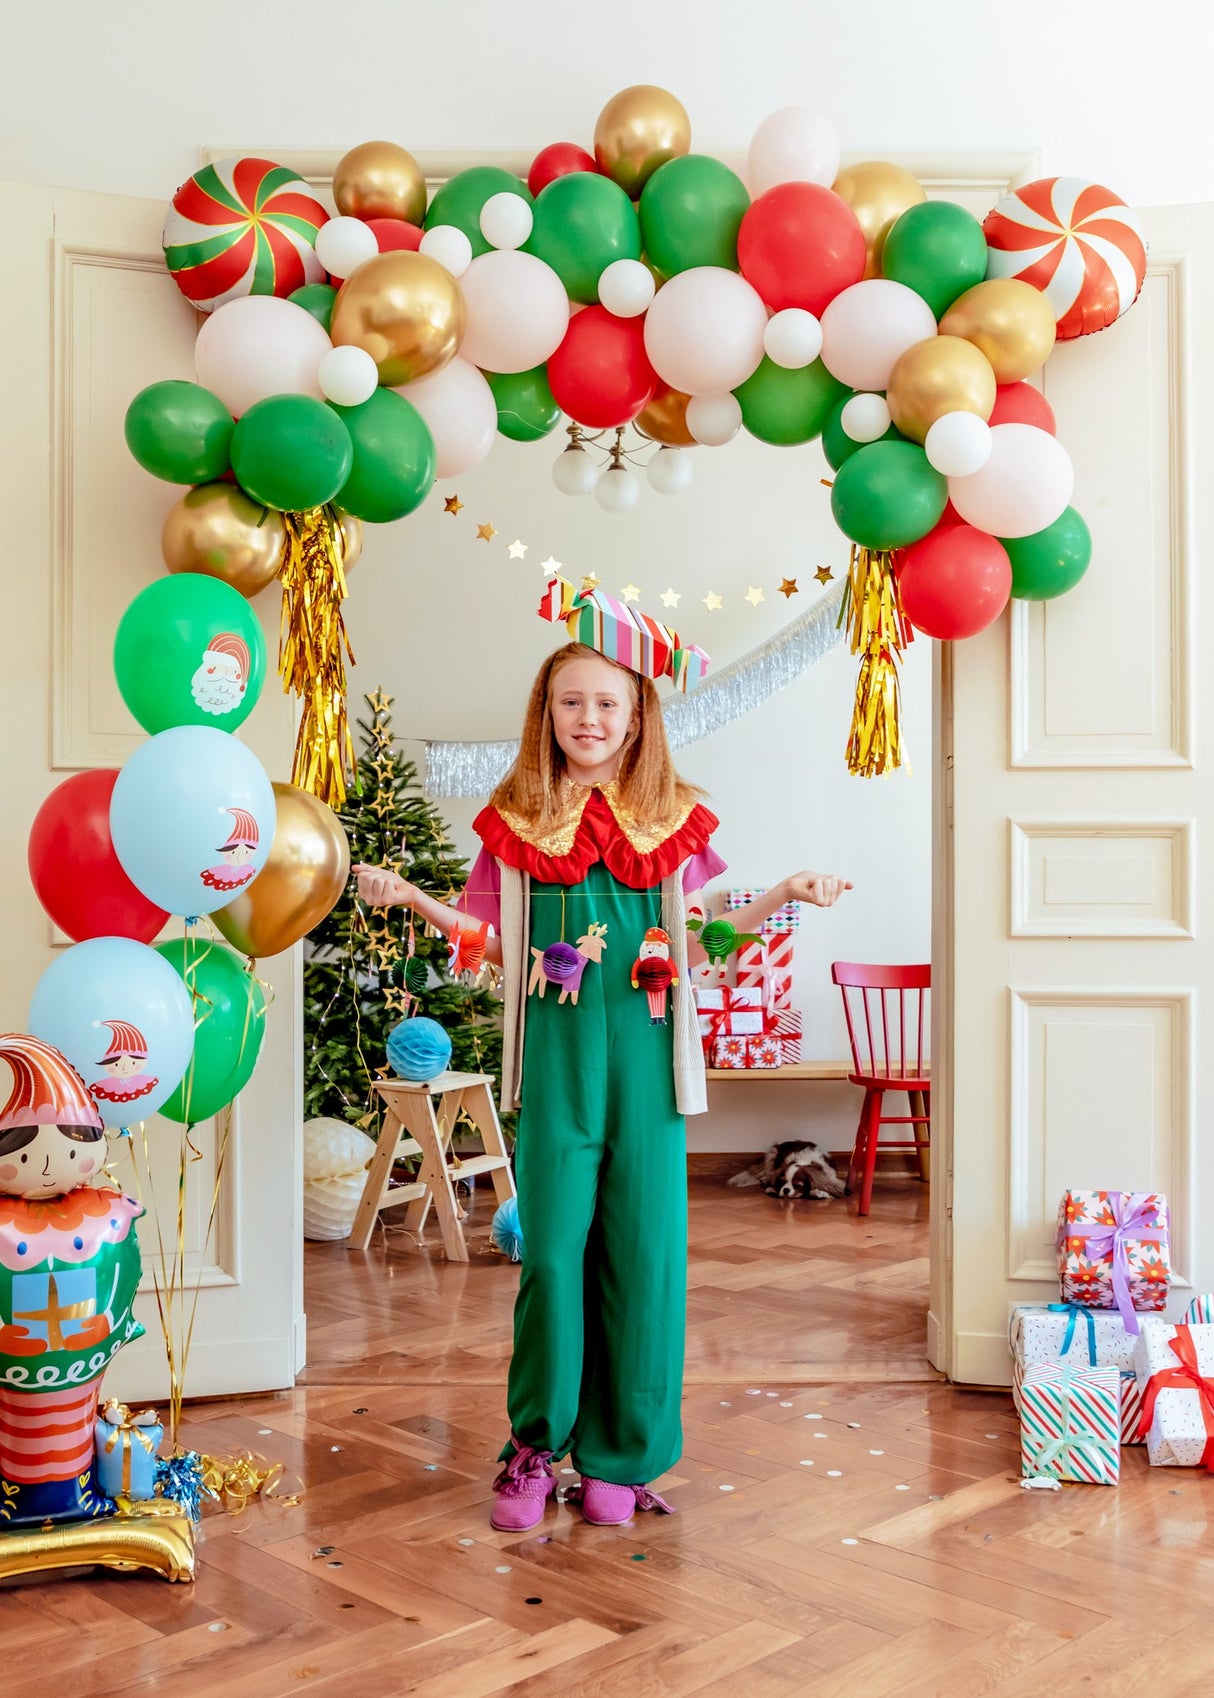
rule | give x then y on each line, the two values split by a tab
313	650
878	631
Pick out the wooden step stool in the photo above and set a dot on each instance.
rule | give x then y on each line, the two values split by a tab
413	1125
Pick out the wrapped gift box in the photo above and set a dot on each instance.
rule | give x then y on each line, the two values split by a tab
1175	1367
1070	1423
767	966
126	1451
723	1012
745	1053
788	1033
1077	1337
1113	1251
785	919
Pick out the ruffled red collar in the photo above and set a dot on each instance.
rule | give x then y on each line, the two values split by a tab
596	828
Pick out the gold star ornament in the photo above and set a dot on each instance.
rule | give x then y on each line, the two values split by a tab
824	575
712	601
485	532
631	592
788	587
452	505
754	596
590	583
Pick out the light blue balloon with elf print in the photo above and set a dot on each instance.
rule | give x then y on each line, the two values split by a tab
192	818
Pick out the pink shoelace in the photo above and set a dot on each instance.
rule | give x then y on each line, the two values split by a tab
526	1469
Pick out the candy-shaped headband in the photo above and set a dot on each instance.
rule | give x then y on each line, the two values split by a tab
622	633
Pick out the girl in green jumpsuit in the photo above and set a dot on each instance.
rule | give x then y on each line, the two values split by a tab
591	829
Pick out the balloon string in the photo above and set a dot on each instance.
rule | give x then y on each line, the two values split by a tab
221	1153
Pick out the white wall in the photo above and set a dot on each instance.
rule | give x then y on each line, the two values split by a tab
120	98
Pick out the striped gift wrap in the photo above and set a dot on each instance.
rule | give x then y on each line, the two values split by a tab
1070	1423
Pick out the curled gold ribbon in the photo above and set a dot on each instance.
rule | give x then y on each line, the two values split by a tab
313	650
236	1480
878	631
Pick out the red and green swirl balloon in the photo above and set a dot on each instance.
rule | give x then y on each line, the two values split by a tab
242	227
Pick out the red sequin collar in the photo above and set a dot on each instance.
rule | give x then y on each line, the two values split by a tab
594	827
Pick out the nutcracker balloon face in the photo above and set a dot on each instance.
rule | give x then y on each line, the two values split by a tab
51	1138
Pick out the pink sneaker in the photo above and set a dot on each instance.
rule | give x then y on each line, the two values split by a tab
523	1488
605	1505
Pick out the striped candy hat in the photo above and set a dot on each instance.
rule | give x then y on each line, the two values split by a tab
227	642
47	1090
244	828
126	1040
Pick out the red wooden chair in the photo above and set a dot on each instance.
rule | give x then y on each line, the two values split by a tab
886	1008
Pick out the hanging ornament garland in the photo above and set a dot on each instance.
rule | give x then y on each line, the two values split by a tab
348	361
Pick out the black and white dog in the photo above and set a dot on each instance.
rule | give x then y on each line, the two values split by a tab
795	1169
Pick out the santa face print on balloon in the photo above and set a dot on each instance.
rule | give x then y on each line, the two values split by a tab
125	1065
233	869
51	1138
219	684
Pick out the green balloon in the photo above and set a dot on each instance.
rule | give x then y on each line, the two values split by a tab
887	495
782	406
1052	561
180	432
837	445
583	222
462	197
175	659
526	409
690	212
394	461
230	1017
318	299
938	250
291	452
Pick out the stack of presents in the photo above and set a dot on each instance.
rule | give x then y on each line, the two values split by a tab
1102	1368
751	1023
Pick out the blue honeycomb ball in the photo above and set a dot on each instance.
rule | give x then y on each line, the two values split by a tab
506	1233
419	1050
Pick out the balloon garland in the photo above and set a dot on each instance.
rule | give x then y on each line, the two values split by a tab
643	284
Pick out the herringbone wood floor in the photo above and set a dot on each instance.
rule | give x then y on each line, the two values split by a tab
847	1524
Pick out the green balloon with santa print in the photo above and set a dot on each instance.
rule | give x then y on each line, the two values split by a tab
189	651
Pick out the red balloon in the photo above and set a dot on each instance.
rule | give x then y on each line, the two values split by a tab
75	871
1020	403
799	245
954	582
557	160
393	235
600	375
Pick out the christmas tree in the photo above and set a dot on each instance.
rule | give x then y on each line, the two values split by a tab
354	976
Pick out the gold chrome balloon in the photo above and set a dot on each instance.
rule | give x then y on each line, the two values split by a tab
942	375
877	193
217	529
665	420
352	540
639	129
380	180
304	874
1010	321
405	310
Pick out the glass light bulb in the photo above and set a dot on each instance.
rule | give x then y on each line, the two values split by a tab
669	471
617	490
575	472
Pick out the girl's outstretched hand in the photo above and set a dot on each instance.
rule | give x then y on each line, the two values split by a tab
822	889
380	888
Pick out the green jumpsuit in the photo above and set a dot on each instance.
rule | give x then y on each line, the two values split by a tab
601	1168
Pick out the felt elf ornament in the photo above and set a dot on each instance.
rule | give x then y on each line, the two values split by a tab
654	972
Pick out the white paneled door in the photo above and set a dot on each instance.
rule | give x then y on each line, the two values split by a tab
1069	889
88	316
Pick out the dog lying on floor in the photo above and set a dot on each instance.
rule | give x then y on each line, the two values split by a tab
794	1169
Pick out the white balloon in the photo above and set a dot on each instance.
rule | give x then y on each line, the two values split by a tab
259	346
348	376
865	418
506	220
714	420
669	471
459	408
343	244
704	331
867	327
793	338
626	287
575	472
518	311
449	247
1024	486
958	444
793	145
617	490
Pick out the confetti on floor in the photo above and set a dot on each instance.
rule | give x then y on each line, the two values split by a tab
853	1423
533	1600
902	1488
876	1453
725	1488
807	1462
815	1417
849	1541
264	1432
467	1541
502	1568
754	1394
568	1470
725	1405
784	1405
821	1435
336	1447
217	1627
432	1468
637	1556
834	1473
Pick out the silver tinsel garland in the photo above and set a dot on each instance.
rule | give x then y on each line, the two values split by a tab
472	769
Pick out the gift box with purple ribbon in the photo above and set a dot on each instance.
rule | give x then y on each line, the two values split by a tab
1113	1251
1087	1338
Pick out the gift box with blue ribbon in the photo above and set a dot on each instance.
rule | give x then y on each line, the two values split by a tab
1082	1337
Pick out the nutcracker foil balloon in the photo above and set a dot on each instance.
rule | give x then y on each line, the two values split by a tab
69	1267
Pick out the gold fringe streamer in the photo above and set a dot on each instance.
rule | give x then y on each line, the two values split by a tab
313	650
878	631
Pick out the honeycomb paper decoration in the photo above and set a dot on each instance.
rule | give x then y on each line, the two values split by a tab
335	1161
